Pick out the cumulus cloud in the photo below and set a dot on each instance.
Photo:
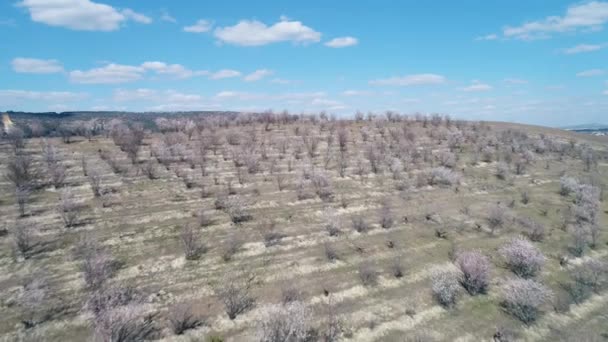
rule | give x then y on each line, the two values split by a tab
410	80
144	94
256	33
258	75
590	73
477	86
342	42
224	73
200	26
108	74
173	70
581	16
84	15
582	48
36	66
356	93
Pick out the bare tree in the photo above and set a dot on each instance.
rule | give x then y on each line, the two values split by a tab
69	209
182	318
235	292
22	196
23	241
95	182
191	242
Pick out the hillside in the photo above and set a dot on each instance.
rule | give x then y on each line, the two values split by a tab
234	228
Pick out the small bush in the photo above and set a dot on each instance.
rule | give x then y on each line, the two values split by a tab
445	285
181	318
98	266
287	322
568	185
396	268
443	176
125	324
233	245
386	216
522	257
497	218
368	274
23	240
68	209
475	269
591	273
502	170
359	224
330	252
523	298
535	231
234	291
193	248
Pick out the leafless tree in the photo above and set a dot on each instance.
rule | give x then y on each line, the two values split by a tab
368	274
98	266
69	209
191	242
95	182
21	172
235	292
124	324
386	215
23	241
22	196
232	246
182	318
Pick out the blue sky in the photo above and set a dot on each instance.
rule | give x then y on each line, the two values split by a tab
540	62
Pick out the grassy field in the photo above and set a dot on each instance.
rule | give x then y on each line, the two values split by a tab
291	188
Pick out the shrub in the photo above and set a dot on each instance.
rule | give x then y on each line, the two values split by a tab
35	300
22	196
443	176
535	231
272	238
591	273
523	298
580	237
475	269
396	268
233	245
568	185
234	291
445	285
502	170
95	182
285	322
181	318
522	257
497	217
386	216
98	266
330	252
23	241
368	274
359	224
21	172
68	209
193	248
235	208
109	297
290	294
124	324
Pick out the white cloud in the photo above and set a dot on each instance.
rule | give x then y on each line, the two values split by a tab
162	100
590	73
411	80
174	70
342	42
356	93
137	17
477	86
224	73
49	96
581	16
82	15
258	75
109	74
281	81
515	81
488	37
581	48
256	33
165	16
200	26
605	92
36	66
